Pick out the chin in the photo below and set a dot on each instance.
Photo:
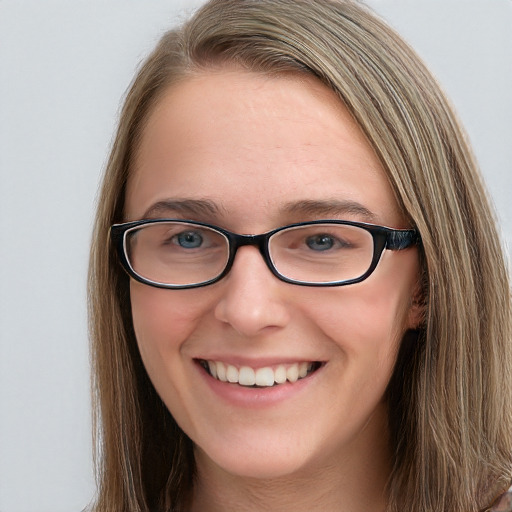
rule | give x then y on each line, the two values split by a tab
261	464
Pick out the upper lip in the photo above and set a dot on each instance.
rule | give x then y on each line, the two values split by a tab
256	362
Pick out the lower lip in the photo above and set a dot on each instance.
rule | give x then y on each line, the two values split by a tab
243	396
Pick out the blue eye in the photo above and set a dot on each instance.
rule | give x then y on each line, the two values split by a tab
188	239
320	242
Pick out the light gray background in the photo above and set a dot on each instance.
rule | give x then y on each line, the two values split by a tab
63	68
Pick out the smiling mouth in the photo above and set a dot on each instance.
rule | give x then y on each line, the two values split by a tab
265	377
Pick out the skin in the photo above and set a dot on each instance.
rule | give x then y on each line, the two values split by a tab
252	145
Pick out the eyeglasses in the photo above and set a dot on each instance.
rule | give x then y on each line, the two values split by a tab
177	254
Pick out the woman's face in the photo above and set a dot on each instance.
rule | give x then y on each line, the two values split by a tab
251	153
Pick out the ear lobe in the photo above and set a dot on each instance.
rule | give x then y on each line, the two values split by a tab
417	308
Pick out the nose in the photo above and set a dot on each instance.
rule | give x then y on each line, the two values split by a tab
253	299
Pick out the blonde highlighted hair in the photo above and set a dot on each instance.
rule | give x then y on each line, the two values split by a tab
451	393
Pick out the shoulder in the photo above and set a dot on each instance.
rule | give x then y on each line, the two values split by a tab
503	503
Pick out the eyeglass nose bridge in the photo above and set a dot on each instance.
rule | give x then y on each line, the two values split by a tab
260	241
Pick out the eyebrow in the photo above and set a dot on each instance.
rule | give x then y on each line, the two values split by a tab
315	208
333	207
192	207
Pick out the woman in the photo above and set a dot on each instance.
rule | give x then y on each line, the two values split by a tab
298	298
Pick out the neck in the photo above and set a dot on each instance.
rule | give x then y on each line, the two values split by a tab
352	480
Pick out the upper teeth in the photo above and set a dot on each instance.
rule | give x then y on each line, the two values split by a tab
267	376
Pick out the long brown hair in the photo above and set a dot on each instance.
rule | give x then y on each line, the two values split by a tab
451	393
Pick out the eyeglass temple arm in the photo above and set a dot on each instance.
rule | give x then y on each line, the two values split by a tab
401	239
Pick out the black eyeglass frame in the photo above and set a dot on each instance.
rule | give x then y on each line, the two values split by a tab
383	238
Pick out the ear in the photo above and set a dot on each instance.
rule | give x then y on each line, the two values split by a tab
417	307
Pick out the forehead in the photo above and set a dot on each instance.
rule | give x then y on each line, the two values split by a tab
251	143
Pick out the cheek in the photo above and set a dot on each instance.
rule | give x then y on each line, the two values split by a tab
367	329
163	319
359	319
367	321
